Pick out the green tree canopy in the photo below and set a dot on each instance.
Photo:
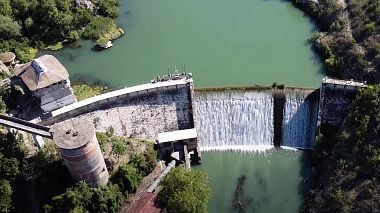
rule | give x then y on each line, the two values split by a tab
9	28
5	8
9	167
82	198
185	191
6	196
118	148
127	178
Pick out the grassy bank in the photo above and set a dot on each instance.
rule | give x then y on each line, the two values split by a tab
84	91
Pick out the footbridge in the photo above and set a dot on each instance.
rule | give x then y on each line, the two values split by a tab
26	126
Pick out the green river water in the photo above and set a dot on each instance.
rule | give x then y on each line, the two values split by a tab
223	43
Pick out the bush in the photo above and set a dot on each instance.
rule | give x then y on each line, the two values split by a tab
98	27
127	178
6	193
145	162
9	28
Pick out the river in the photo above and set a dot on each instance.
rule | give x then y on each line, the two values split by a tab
275	180
223	43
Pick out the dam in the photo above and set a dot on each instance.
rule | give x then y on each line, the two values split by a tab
240	118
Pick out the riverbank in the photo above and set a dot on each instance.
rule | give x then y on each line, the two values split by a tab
349	40
28	27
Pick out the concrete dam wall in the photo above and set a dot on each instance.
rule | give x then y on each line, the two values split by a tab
336	98
142	111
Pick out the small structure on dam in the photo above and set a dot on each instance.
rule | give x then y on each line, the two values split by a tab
79	147
183	142
336	98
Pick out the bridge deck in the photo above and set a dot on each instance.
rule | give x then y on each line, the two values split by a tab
25	126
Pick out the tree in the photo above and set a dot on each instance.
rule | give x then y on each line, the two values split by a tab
144	162
108	8
118	148
9	28
8	168
6	196
5	8
12	146
127	178
82	198
106	199
185	191
98	27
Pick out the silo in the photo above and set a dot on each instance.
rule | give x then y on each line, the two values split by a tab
79	148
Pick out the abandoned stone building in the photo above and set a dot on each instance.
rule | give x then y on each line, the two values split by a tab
48	81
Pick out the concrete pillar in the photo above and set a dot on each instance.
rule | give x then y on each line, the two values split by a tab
80	150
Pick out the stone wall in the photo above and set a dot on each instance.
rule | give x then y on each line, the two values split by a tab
142	115
336	100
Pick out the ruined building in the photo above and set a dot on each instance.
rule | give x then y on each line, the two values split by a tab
48	81
79	148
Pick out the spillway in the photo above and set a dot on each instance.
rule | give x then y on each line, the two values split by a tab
234	120
300	119
245	119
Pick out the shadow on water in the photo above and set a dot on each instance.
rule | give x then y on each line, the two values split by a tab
306	175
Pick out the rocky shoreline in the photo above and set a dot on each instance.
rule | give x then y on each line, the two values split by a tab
348	51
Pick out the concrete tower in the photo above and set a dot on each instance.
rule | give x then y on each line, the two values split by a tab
80	150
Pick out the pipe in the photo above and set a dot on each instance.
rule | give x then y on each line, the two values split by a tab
154	185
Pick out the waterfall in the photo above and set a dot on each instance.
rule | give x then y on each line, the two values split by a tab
234	120
300	119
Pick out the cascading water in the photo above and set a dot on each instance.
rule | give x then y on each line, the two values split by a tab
300	119
244	119
234	120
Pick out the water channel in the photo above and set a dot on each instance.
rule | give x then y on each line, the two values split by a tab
223	43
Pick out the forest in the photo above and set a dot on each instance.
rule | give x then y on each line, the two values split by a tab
29	25
347	161
349	36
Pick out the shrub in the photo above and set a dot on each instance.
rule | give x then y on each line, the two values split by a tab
98	27
127	178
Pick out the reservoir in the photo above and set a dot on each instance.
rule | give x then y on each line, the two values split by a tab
223	43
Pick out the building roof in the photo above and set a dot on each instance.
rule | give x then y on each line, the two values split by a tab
7	57
177	135
42	72
145	204
73	134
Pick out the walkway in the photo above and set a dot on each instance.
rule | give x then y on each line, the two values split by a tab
25	126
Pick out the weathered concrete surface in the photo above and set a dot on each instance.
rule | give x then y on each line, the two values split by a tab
336	99
143	115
